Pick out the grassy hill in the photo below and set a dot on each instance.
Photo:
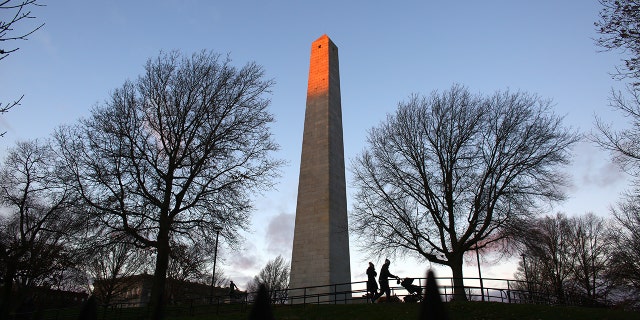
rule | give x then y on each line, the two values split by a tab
466	310
392	311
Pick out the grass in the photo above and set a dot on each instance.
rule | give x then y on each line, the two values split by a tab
392	311
458	310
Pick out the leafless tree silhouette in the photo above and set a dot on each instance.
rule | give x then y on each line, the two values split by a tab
175	155
452	170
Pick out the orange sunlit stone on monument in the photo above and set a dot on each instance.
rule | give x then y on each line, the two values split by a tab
319	68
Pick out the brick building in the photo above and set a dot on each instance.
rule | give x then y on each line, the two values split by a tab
135	291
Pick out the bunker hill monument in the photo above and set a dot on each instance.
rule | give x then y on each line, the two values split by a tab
320	253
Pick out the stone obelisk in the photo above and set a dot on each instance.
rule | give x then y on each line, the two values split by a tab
320	255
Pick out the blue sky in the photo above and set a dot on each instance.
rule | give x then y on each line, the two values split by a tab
387	52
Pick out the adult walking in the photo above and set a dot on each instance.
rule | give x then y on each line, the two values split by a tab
384	280
232	290
372	284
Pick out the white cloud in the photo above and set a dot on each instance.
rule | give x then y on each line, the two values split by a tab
241	266
593	167
279	235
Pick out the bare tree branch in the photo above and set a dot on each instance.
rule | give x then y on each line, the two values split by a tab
18	12
623	144
619	27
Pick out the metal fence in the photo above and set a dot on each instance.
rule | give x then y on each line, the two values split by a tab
476	289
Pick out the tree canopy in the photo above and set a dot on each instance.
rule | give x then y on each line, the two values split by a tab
175	154
619	27
39	221
453	170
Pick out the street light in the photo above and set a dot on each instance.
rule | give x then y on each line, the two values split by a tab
526	274
215	258
479	272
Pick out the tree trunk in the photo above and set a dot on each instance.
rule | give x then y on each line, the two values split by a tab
7	294
560	291
156	302
458	281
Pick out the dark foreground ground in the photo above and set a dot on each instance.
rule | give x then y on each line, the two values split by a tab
458	310
468	310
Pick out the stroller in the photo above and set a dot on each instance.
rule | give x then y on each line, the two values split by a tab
415	292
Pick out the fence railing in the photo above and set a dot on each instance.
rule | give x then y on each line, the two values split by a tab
476	289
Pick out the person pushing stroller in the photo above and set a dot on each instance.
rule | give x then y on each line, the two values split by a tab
384	280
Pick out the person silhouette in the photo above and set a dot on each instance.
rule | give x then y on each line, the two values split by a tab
384	280
372	284
232	289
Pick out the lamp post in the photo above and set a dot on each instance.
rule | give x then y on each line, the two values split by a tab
526	274
479	272
215	258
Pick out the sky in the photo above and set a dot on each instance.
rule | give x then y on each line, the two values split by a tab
387	52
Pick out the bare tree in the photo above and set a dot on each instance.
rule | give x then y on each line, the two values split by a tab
619	27
567	257
111	262
531	278
40	220
623	144
16	13
189	264
549	242
275	276
592	247
452	170
624	265
175	155
220	279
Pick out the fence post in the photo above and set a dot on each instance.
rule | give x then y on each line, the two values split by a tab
509	291
446	295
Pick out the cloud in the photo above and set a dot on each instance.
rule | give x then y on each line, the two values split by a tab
246	259
280	234
605	175
596	167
